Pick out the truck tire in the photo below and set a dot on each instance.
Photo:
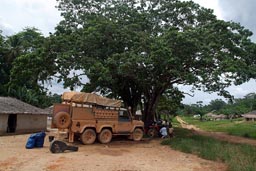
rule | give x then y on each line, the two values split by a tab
88	136
137	134
62	120
152	133
105	136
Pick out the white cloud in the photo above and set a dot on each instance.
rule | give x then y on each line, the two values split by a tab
212	4
236	91
242	11
19	14
242	90
5	27
58	88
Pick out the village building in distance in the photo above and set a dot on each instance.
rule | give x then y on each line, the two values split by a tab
17	117
251	116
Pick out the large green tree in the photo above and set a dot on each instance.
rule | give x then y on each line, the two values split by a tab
3	77
25	66
136	50
24	58
216	105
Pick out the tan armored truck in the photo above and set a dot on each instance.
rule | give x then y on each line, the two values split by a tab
90	116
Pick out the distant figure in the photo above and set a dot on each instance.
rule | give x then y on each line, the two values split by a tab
171	132
163	132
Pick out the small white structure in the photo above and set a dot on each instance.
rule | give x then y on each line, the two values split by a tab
18	117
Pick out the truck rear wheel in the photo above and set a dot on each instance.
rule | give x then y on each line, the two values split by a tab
88	136
62	120
137	134
105	136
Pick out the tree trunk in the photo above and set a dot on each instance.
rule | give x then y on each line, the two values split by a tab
150	105
131	98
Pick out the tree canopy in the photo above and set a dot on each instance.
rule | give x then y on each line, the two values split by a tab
137	50
25	66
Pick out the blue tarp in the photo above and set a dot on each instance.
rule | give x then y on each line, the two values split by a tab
36	140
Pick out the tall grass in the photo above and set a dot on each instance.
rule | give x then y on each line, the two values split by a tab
238	157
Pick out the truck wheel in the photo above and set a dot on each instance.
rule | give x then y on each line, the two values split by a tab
152	133
88	136
62	120
137	134
105	136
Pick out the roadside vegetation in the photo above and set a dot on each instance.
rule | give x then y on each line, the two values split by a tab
237	127
234	107
238	157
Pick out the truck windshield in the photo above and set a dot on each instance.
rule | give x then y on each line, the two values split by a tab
123	116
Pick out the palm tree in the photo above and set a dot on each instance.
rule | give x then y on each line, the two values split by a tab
14	45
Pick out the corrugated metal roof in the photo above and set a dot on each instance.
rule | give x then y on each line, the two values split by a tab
9	105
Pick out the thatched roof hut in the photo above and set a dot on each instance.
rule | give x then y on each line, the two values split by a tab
216	117
19	117
251	116
9	105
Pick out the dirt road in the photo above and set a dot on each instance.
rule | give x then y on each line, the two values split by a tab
119	155
218	135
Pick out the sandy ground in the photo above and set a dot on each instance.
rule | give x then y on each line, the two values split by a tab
120	155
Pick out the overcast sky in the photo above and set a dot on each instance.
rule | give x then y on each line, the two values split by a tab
42	14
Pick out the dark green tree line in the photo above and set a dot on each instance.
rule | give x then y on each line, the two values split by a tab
218	106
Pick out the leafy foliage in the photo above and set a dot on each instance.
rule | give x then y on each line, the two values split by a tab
170	102
24	66
136	50
3	65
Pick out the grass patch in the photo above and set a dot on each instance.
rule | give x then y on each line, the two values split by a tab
237	127
174	122
238	157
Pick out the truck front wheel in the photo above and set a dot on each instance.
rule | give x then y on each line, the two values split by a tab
105	136
88	136
137	134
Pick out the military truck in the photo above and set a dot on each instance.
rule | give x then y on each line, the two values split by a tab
89	116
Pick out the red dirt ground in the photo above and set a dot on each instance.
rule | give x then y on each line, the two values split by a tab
119	155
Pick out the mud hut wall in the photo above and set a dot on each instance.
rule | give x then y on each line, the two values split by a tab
31	123
3	123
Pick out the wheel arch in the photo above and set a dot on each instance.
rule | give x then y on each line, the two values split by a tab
105	127
139	127
87	127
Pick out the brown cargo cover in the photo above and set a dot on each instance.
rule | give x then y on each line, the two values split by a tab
81	97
